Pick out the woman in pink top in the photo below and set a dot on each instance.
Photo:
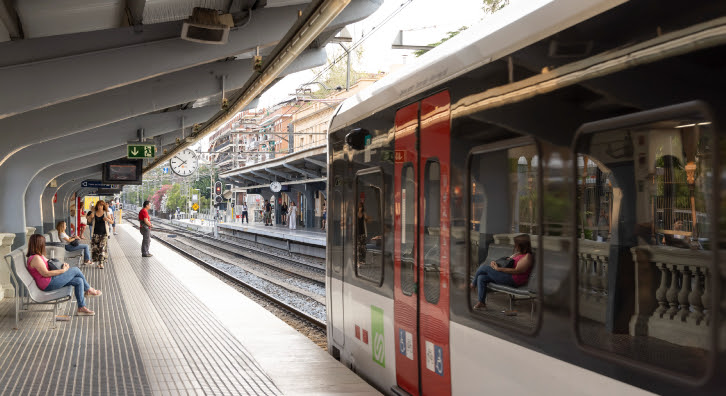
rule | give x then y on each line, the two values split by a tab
493	273
52	280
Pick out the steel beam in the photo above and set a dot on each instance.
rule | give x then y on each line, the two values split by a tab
307	172
112	106
268	178
317	162
278	173
65	78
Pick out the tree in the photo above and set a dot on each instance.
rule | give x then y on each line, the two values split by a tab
336	75
490	7
449	36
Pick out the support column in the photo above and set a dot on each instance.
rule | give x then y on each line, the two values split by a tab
278	215
309	208
33	209
46	203
6	289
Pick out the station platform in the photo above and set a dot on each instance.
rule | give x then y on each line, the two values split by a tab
163	326
306	241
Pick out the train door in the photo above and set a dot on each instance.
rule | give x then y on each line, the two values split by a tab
336	224
421	246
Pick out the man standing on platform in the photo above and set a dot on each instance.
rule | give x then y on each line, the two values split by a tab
145	228
268	213
245	213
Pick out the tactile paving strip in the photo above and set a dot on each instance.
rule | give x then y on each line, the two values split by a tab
86	356
197	349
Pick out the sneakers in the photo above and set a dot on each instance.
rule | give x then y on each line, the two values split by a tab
147	255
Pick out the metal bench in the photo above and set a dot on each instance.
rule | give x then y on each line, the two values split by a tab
52	239
528	291
27	292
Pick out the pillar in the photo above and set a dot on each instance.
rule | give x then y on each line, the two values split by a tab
46	203
278	215
6	242
33	209
309	208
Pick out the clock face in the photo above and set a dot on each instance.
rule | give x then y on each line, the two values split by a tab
275	186
184	163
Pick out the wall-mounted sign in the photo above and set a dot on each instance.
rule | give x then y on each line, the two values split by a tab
140	150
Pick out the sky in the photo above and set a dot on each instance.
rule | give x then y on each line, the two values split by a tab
423	22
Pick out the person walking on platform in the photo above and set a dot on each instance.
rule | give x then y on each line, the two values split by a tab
245	216
113	225
100	223
283	213
292	216
268	213
145	228
49	280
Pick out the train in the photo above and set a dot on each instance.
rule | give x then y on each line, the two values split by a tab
583	133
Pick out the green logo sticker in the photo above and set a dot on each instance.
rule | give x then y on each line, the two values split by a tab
378	342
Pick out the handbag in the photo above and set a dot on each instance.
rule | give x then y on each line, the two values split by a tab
505	262
54	264
74	243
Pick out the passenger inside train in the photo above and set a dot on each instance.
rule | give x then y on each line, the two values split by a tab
47	279
516	275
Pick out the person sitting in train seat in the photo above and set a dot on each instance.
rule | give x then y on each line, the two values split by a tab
48	280
516	276
362	219
72	247
678	239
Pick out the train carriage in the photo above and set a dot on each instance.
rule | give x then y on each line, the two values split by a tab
590	130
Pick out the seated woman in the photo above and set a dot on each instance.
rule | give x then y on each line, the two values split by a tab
516	276
48	280
61	228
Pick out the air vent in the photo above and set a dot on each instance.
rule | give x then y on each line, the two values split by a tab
207	26
577	49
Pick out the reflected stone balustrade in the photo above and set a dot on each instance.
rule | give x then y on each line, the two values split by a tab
673	299
592	267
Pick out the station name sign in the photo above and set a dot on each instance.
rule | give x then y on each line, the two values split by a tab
140	150
99	184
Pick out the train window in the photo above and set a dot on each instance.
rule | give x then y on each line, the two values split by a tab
369	225
338	235
644	254
503	228
431	231
408	232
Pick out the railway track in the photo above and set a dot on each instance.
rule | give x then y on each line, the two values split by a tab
314	273
237	281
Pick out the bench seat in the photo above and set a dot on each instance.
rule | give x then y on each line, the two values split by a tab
27	292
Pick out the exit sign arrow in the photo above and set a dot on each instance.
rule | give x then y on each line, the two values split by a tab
139	150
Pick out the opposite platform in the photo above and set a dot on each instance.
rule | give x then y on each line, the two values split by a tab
164	326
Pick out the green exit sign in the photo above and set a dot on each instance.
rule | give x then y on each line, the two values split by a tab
140	150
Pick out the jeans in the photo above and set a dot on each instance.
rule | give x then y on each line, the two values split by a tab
146	241
245	217
73	277
86	250
485	275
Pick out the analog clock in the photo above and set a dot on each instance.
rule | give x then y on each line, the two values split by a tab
184	163
275	186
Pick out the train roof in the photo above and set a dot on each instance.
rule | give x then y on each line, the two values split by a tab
516	26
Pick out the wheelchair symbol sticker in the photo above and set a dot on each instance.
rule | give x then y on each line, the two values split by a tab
434	358
405	343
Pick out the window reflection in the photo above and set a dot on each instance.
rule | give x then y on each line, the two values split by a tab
369	226
643	250
503	229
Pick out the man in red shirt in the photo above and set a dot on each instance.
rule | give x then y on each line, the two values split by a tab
145	227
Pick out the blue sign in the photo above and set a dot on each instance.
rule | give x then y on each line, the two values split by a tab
402	341
98	184
439	358
165	170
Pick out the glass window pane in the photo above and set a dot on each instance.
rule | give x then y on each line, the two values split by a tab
369	226
408	232
431	231
503	225
337	231
644	252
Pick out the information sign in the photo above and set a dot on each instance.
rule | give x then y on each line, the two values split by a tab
140	150
98	184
